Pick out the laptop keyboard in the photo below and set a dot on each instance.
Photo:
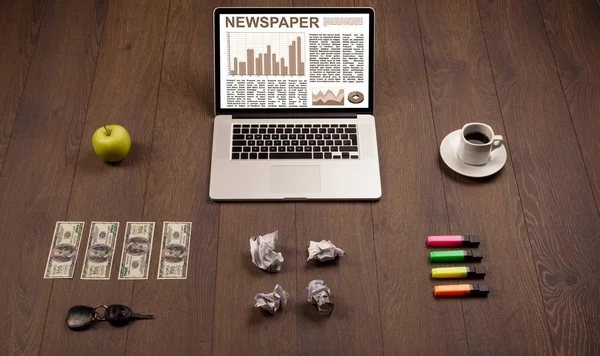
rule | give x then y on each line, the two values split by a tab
294	141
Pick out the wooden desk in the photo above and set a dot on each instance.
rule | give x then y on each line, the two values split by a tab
529	68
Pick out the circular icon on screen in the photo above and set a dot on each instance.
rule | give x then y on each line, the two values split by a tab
356	97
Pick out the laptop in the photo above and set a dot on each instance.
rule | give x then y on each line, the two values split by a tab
294	105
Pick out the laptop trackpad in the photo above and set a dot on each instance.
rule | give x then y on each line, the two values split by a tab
295	180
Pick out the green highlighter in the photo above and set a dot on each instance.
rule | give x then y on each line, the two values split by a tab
455	256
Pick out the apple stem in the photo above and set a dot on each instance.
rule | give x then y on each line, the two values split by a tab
107	130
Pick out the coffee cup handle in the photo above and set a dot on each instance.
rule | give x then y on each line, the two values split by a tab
497	142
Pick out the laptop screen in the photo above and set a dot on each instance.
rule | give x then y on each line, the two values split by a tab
293	61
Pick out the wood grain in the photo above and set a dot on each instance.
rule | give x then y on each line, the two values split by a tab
462	90
124	92
559	207
573	28
19	28
39	165
327	3
352	280
354	327
178	190
438	64
412	206
238	327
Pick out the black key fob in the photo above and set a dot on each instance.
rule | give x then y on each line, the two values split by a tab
118	315
80	317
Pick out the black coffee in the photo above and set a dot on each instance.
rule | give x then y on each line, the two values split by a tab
477	138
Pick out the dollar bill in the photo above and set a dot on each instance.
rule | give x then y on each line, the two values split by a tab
100	250
137	250
174	250
62	257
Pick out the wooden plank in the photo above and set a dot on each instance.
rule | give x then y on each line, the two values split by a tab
462	90
178	190
573	28
326	3
238	327
559	207
354	327
124	92
39	165
574	32
19	29
412	206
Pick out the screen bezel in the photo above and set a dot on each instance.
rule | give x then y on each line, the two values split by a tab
292	112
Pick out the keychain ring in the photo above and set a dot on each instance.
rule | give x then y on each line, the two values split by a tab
96	315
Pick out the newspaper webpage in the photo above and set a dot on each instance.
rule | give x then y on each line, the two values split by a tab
279	61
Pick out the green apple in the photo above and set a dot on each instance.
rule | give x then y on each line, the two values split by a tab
111	143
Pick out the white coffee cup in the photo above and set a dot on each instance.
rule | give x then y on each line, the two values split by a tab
477	141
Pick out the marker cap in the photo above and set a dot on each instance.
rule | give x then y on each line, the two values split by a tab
473	256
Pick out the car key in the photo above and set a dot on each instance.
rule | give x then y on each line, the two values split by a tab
120	315
80	317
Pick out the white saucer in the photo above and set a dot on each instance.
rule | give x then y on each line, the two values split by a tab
448	150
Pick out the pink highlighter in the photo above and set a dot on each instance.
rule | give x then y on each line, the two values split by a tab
453	241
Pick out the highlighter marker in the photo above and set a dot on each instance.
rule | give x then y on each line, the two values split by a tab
458	272
455	256
459	290
454	240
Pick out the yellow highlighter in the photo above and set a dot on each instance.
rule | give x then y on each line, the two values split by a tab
458	272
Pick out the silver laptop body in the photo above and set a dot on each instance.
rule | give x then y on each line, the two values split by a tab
288	127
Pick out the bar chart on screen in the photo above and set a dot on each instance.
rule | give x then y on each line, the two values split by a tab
259	53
